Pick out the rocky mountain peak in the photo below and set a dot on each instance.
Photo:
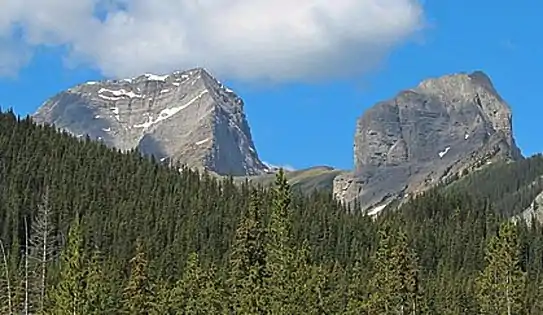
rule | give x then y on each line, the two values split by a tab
186	116
442	127
474	87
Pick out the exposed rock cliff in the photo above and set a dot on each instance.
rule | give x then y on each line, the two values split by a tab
184	116
534	211
424	135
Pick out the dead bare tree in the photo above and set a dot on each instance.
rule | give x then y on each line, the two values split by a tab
43	248
26	301
8	283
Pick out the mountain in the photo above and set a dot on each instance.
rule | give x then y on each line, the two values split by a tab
440	130
436	132
185	116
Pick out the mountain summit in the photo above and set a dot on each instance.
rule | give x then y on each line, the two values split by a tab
442	128
185	116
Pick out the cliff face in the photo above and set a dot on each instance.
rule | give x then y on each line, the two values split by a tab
534	211
424	135
187	116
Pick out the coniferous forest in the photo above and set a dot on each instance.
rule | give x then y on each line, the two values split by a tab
88	230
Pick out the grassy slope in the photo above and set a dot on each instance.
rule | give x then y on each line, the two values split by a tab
306	180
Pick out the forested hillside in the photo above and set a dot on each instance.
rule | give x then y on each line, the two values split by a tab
87	230
509	186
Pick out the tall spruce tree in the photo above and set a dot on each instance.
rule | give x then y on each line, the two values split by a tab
305	284
138	295
356	294
384	282
395	282
407	264
501	284
278	248
100	295
68	296
197	292
248	261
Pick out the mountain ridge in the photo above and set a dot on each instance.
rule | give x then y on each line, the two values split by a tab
423	135
185	116
440	129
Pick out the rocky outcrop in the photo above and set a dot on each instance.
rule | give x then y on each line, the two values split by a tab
186	116
424	135
534	211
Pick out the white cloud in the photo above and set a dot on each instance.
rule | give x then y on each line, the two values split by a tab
245	39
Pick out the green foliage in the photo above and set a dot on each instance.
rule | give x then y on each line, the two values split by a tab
138	294
502	282
394	287
207	245
248	262
69	295
280	254
198	292
100	290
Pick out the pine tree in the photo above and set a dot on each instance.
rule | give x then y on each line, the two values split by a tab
68	296
384	282
356	294
248	261
501	284
407	266
304	284
198	292
138	295
395	282
278	248
332	288
100	298
164	303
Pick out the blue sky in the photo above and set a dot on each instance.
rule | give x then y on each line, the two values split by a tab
301	122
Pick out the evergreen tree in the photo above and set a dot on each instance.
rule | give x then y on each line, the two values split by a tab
407	265
99	291
356	296
164	302
395	282
384	282
248	261
138	295
502	282
278	248
68	296
197	293
304	284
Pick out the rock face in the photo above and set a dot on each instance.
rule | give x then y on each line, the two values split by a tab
187	116
443	127
534	211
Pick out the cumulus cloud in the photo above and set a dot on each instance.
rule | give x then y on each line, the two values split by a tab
278	40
